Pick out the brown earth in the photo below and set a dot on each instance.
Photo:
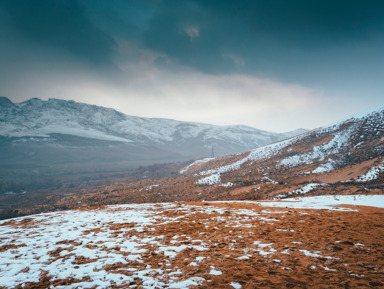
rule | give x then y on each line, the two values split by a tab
260	179
345	249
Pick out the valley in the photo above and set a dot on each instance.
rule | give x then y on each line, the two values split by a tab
191	144
48	144
341	159
307	210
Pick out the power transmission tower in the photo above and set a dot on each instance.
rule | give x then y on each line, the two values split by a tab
212	153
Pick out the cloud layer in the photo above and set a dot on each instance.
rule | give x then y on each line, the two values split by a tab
274	65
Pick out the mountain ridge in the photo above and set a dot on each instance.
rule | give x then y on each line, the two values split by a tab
110	122
344	158
58	141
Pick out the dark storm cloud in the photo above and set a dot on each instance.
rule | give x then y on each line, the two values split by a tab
179	53
60	25
268	35
213	36
313	20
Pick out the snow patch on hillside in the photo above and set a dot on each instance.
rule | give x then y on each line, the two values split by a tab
326	167
210	180
227	185
183	170
334	146
326	202
301	191
372	174
356	117
258	154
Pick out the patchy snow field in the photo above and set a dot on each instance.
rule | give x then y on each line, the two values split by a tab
205	245
327	202
372	174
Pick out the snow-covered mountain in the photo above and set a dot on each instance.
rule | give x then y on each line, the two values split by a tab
331	147
65	137
344	158
38	118
349	153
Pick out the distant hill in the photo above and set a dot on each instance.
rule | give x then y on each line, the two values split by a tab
66	140
344	158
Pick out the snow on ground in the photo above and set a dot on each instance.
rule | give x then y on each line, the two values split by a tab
301	191
339	141
210	180
372	174
314	254
83	245
148	188
258	154
236	285
183	170
227	185
57	232
268	180
214	271
328	202
326	167
107	246
367	114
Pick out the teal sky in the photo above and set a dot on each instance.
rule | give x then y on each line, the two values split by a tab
275	65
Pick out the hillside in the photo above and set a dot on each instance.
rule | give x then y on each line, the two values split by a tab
58	141
347	155
40	119
344	158
328	235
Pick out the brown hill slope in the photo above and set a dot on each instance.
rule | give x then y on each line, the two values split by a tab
344	158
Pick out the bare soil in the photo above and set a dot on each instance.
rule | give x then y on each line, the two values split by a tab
293	248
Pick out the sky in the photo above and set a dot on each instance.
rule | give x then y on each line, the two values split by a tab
274	65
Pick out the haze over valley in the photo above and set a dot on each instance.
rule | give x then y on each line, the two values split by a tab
228	227
191	144
48	143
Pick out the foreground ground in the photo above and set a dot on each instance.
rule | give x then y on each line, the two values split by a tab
303	244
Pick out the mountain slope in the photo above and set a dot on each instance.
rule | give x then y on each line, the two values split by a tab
65	139
348	152
37	118
344	158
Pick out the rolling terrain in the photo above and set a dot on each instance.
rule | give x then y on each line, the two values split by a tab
343	158
299	213
45	144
